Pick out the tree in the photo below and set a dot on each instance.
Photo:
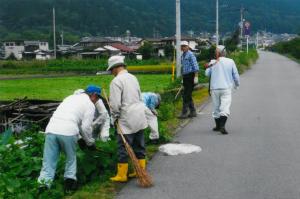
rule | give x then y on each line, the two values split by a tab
232	43
146	50
169	51
207	54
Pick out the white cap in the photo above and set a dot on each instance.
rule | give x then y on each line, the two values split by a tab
221	48
114	61
184	43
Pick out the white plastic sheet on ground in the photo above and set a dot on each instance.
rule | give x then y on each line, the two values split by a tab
178	149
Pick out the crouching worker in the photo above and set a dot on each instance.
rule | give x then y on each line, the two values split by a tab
152	102
128	112
73	116
101	122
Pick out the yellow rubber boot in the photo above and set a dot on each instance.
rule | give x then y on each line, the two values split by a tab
121	174
142	163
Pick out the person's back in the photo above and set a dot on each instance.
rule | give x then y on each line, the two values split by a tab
131	108
223	77
223	74
131	93
150	100
67	118
75	114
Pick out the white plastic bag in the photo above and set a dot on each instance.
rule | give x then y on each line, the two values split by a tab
177	149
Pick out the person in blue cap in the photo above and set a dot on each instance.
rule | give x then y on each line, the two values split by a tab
72	117
101	123
152	102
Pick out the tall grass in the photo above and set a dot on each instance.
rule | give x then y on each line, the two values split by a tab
62	65
243	60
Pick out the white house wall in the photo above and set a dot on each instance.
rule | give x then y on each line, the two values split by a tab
44	46
15	50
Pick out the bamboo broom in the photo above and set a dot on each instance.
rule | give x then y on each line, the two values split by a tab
144	179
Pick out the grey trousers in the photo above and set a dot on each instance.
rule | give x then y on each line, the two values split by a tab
136	141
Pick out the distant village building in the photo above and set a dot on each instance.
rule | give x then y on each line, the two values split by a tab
36	50
159	44
95	42
95	47
13	48
36	45
19	49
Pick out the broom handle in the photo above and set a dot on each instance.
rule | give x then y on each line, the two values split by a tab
120	131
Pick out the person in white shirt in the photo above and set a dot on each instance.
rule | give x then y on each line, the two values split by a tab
72	117
101	122
128	110
224	77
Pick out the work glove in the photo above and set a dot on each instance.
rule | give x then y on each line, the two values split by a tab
92	147
196	79
154	112
82	145
104	138
211	63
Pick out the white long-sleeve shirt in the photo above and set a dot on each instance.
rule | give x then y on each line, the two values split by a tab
126	103
223	74
103	118
73	116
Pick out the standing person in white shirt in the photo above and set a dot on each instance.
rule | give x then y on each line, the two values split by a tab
128	109
224	77
72	117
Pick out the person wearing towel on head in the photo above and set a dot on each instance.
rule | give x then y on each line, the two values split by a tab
152	102
224	77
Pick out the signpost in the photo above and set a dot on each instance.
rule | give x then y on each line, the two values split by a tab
247	32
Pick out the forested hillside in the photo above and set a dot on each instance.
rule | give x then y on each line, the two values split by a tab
32	19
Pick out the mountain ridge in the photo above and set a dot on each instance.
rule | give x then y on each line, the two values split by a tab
32	19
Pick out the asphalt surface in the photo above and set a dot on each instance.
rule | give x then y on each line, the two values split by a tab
259	159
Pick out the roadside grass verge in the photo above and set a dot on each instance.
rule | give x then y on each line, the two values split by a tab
243	60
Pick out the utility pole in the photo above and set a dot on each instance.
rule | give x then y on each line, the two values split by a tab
217	23
242	25
178	39
257	40
62	37
54	34
247	44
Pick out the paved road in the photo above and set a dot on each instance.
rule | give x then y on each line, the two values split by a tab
259	159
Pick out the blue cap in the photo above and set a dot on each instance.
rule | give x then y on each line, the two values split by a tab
93	89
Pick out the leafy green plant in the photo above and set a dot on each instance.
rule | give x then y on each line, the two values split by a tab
21	161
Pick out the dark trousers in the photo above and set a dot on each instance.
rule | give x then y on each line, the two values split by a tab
188	85
136	141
